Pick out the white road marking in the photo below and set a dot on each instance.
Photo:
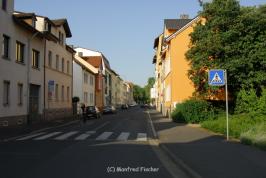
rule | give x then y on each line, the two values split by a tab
152	126
142	137
101	126
66	135
104	136
123	136
47	136
82	136
85	135
31	136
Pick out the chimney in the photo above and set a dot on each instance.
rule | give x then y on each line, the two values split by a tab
80	54
184	16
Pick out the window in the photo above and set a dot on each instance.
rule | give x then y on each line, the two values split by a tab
85	78
63	93
91	80
35	58
61	38
20	52
168	93
56	92
6	93
167	66
68	67
20	94
63	64
68	93
5	47
50	58
57	62
4	4
91	98
85	97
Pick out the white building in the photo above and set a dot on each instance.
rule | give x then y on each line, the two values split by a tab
21	67
84	81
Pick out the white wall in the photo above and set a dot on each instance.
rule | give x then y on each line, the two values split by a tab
15	72
77	81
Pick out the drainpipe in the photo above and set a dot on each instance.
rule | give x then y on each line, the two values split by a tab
28	76
44	82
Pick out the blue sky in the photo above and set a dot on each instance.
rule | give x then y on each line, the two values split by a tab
124	30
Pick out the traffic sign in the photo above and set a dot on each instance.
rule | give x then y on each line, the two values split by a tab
216	77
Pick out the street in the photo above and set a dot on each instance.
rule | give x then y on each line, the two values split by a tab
114	146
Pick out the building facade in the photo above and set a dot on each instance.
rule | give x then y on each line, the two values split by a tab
21	67
84	81
58	68
171	66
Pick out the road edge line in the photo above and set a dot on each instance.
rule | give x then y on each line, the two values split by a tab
189	171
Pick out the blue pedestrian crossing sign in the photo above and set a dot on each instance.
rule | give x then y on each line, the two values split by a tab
216	77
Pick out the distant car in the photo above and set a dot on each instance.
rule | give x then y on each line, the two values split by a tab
124	106
92	112
109	110
145	106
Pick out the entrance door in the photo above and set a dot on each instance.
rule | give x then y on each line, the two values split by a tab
34	102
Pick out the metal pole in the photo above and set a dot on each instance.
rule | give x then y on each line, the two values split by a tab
226	97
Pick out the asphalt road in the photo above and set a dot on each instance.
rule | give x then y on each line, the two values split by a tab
114	146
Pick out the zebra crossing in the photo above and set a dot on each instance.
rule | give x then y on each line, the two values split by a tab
79	136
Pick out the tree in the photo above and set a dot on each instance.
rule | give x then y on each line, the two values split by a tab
142	95
232	38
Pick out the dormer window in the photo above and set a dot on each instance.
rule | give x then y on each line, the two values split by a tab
48	27
4	5
61	38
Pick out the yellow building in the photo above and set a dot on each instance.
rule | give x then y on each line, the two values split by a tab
171	65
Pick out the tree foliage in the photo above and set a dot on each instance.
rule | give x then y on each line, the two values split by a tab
142	94
232	38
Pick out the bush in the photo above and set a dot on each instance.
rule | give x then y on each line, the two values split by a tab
256	135
193	111
262	102
238	125
246	102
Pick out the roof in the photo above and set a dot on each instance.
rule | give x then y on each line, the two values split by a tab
182	29
175	24
106	62
19	19
23	15
156	42
85	64
95	61
59	22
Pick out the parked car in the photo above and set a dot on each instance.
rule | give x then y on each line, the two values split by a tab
124	106
92	112
109	110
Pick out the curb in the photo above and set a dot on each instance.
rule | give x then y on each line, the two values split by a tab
40	130
190	172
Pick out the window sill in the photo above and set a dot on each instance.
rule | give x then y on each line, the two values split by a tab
6	58
36	68
21	63
6	104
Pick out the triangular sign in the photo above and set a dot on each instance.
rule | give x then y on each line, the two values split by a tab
216	79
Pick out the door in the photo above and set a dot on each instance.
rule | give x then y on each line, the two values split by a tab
34	103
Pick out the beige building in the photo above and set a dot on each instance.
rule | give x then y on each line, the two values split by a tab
58	67
21	67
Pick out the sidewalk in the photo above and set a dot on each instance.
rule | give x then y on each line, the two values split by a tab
208	155
12	132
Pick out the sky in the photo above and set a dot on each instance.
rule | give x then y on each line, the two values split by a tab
123	30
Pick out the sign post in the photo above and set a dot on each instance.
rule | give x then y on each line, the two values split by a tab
218	77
